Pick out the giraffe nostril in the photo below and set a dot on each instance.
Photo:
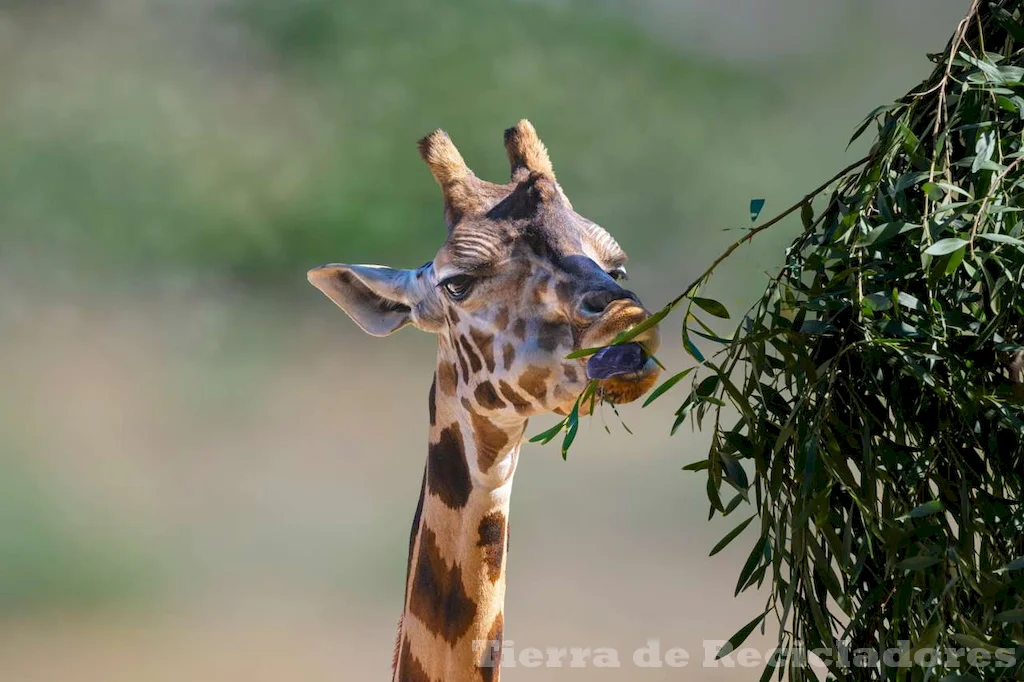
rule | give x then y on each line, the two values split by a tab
594	303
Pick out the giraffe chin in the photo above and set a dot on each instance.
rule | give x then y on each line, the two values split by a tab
625	388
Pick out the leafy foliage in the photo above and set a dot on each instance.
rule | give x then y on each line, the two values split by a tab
876	409
875	389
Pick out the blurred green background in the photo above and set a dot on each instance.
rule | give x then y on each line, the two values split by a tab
205	472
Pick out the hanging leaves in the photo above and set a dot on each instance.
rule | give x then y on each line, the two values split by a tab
869	406
868	388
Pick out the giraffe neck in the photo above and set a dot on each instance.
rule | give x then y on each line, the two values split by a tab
452	623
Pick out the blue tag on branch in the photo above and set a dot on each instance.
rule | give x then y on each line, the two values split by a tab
756	206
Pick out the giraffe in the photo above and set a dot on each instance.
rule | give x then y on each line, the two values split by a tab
521	281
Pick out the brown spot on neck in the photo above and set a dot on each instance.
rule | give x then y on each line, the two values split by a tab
474	359
519	329
489	441
447	469
563	395
487	397
490	667
438	595
501	319
409	668
508	355
432	401
570	373
485	344
534	381
522	405
492	543
462	361
447	378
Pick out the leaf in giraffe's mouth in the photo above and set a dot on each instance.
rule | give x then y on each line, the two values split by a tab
614	360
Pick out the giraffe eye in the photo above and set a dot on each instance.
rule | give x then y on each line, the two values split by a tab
457	287
618	274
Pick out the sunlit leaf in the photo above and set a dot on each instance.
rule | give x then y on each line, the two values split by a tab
945	246
712	307
549	435
668	384
926	509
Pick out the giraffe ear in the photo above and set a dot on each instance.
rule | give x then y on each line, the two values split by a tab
381	300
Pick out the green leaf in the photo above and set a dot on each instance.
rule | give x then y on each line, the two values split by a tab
910	302
549	435
669	383
741	636
879	301
711	307
583	352
710	337
707	385
1015	565
880	235
699	465
724	542
972	642
692	349
754	559
928	637
734	471
955	259
983	149
807	215
572	426
733	503
898	328
926	509
1001	238
1011	616
639	329
738	399
1013	26
918	563
945	246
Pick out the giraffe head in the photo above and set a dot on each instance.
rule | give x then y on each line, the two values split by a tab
521	281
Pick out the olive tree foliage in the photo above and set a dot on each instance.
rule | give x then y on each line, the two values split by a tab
866	416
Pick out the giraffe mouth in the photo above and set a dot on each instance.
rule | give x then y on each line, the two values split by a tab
624	372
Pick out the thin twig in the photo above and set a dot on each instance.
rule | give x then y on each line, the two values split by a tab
940	113
757	230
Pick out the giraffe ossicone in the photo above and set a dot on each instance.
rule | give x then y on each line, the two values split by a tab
521	281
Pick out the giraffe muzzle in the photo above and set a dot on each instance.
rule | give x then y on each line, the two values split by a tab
627	371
